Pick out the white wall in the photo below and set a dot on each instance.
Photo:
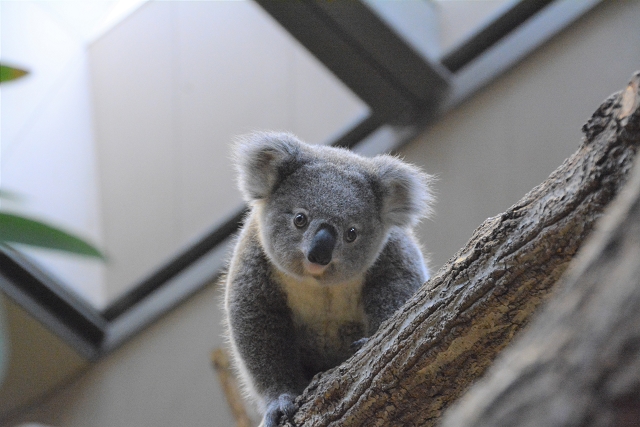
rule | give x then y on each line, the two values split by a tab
459	19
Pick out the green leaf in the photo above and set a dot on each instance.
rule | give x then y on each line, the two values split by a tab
17	229
9	73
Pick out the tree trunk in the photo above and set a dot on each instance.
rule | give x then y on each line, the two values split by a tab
579	362
424	357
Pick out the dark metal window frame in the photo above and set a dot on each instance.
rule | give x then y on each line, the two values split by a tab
405	92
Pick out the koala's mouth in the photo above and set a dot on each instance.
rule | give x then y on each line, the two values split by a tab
315	269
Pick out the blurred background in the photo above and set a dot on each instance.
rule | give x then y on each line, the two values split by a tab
120	133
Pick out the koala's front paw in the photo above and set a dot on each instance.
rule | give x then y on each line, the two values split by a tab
282	405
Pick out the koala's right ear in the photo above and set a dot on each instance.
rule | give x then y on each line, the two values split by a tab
263	159
406	191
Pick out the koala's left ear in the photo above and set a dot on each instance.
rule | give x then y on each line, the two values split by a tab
262	159
405	191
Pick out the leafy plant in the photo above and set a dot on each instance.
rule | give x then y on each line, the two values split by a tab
11	73
18	229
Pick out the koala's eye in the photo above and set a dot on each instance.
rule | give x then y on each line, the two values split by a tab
350	235
300	220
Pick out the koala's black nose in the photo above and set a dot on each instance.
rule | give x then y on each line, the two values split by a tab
322	245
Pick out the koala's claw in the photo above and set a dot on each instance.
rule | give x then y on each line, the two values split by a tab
283	405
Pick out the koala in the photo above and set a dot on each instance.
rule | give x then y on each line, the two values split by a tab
326	253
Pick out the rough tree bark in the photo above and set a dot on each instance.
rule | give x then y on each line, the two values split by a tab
423	358
578	364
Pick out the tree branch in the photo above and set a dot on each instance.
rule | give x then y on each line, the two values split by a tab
579	362
424	357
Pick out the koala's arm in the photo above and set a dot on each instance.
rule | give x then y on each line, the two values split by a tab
395	276
262	332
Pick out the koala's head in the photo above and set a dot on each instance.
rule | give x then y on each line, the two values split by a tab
326	212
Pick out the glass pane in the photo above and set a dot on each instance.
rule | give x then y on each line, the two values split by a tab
459	19
124	138
435	27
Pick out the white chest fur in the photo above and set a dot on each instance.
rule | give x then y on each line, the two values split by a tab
324	308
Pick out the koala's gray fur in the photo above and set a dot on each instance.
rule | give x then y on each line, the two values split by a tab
288	317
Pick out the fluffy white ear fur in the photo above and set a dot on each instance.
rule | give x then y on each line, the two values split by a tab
261	157
406	189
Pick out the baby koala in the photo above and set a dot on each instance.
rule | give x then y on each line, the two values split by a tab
325	255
